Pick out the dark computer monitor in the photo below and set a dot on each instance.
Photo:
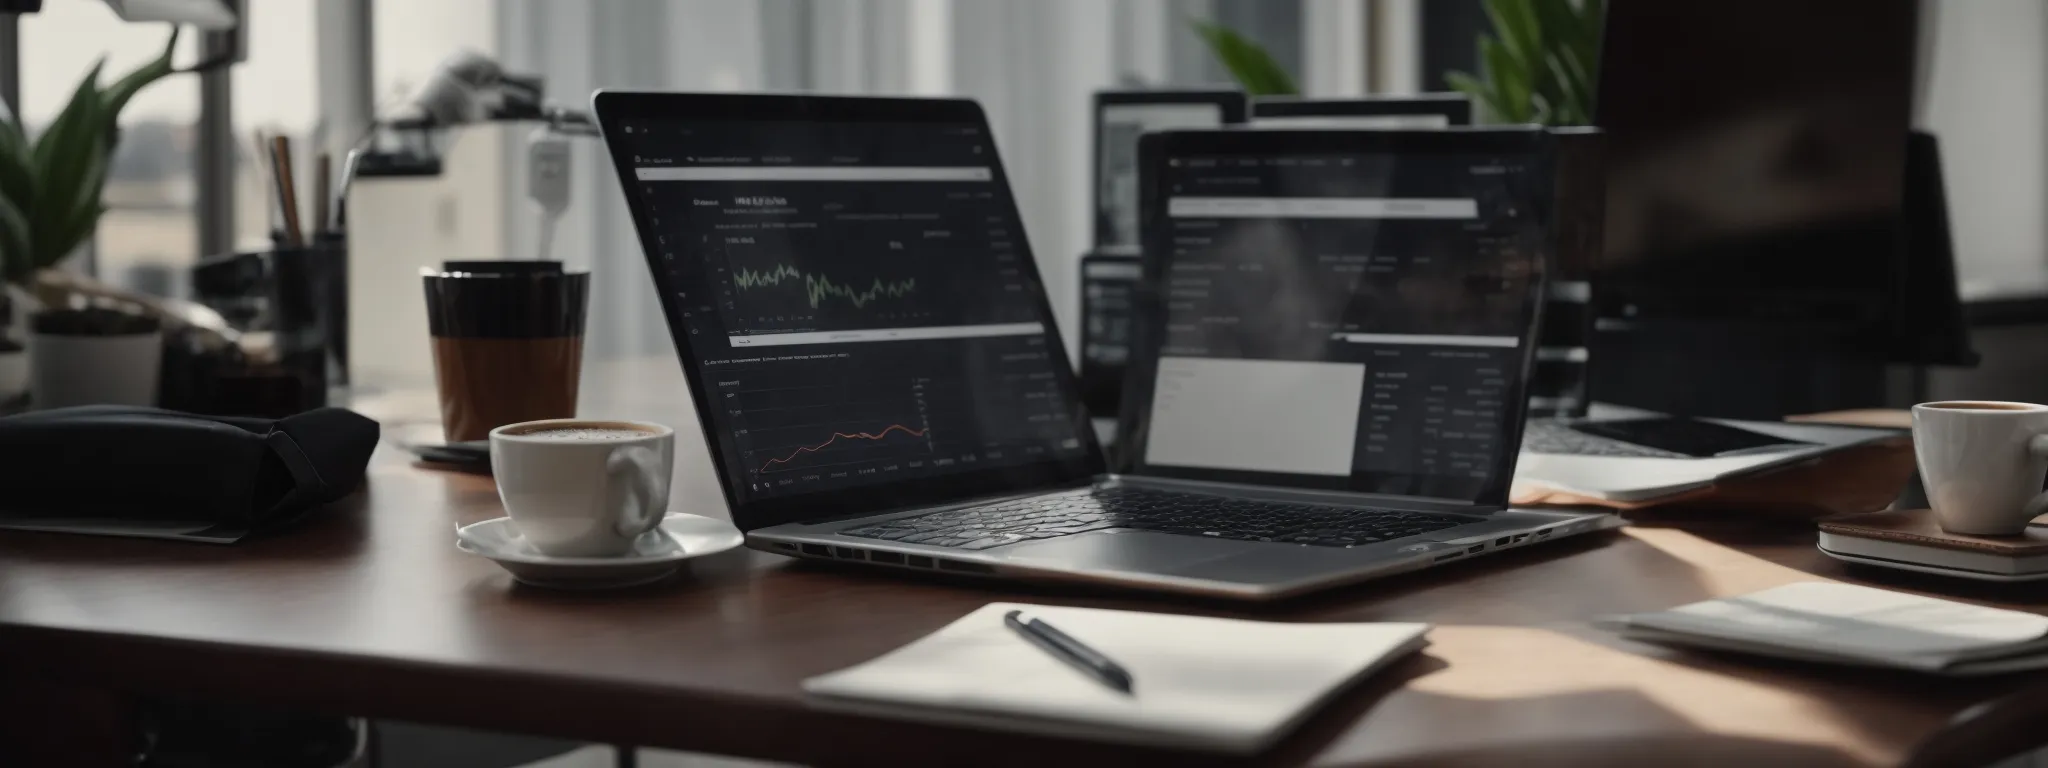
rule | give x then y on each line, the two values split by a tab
1756	151
1121	117
1756	259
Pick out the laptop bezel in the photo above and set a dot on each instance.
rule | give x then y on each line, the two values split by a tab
612	107
1140	373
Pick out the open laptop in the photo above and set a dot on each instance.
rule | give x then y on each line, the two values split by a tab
874	365
1628	454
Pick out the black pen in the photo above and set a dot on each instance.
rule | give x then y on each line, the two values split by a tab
1075	653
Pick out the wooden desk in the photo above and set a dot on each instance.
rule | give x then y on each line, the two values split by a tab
370	610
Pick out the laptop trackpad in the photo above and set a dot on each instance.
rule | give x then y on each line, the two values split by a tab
1126	550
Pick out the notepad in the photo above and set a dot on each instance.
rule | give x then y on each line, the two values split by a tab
1207	684
1849	624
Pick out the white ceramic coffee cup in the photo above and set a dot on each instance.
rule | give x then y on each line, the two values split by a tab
1982	462
580	497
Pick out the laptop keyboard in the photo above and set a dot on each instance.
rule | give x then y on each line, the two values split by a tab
1552	437
1194	514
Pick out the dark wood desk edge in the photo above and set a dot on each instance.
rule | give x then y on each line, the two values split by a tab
628	712
600	711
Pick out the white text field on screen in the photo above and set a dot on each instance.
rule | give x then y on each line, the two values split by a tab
1322	208
816	173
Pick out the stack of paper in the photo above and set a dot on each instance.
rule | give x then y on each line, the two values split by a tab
1847	624
1198	683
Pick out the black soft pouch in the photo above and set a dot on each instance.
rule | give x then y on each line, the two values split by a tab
130	471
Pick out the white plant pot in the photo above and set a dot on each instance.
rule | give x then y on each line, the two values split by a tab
94	370
13	374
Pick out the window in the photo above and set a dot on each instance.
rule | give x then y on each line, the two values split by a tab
413	37
275	92
149	236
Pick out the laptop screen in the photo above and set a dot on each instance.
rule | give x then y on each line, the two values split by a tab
856	305
1341	310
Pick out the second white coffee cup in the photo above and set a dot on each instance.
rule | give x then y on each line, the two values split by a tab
583	487
1982	463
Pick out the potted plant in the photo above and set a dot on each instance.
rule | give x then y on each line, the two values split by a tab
1539	64
50	191
94	354
1536	67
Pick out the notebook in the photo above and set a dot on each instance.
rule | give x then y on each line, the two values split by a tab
1912	537
1849	624
1219	685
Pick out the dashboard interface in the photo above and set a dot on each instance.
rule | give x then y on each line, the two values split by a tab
855	299
1344	321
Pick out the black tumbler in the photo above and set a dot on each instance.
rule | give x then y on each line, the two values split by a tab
508	342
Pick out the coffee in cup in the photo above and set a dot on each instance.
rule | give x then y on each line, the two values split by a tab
508	342
1983	463
583	488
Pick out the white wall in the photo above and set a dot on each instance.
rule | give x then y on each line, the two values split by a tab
1988	105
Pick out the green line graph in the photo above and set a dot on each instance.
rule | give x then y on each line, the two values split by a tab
820	287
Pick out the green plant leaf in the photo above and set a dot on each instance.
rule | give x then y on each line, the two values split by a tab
58	234
14	240
1519	34
1510	83
1561	26
63	138
69	168
1537	63
1574	92
116	96
1475	89
83	212
1541	109
1254	68
17	175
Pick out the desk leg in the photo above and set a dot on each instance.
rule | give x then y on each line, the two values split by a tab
43	724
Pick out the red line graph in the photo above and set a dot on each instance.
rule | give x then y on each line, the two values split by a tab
835	438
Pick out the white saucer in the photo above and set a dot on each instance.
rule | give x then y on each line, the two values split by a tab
653	558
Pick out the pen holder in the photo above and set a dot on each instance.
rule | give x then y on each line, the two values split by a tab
297	296
309	312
